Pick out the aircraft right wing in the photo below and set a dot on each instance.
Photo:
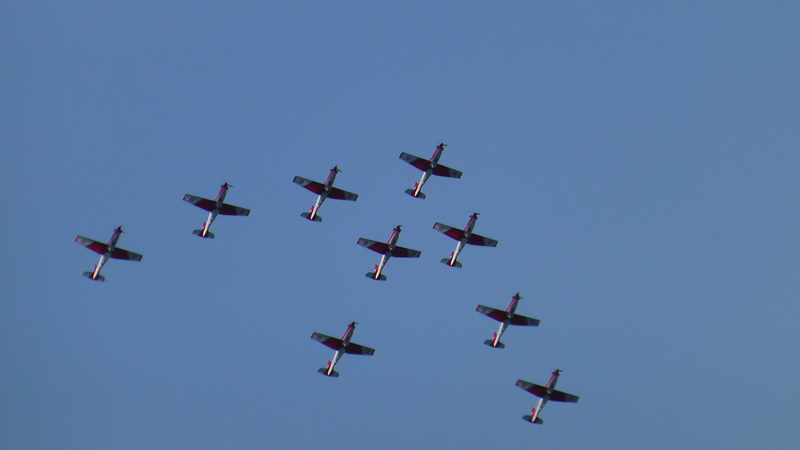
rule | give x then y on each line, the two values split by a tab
200	202
230	210
313	186
120	253
495	314
403	252
444	171
477	239
91	244
558	396
535	389
330	341
454	233
375	246
416	161
519	319
338	194
355	349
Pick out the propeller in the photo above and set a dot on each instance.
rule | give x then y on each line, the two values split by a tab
337	169
226	185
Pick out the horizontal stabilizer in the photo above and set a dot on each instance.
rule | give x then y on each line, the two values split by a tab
455	264
411	193
324	371
528	417
307	215
381	277
490	343
208	235
88	274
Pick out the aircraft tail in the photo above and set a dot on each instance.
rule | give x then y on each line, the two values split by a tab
88	274
455	264
412	191
490	343
307	215
324	371
528	417
209	235
381	277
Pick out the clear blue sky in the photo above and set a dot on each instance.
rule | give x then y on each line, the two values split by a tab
638	164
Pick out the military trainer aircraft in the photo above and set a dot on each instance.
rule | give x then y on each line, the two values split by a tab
545	393
341	346
215	207
506	318
428	167
109	250
323	190
464	237
387	250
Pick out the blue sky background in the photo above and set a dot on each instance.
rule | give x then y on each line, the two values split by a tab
637	162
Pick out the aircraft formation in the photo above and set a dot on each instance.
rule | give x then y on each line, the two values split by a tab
325	190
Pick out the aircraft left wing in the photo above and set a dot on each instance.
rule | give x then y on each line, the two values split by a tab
120	253
91	244
375	246
338	194
558	396
330	341
444	171
230	210
535	389
416	161
200	202
402	252
496	314
454	233
355	349
477	239
311	185
519	319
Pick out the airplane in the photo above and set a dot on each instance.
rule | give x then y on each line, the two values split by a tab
341	346
465	236
545	393
387	250
506	318
215	207
429	167
109	250
324	190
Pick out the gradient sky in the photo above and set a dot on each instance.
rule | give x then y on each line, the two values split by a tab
637	162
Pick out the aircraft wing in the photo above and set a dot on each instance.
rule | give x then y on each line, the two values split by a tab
402	252
200	202
311	185
496	314
444	171
330	341
375	246
355	349
120	253
454	233
230	210
91	244
535	389
416	161
338	194
477	239
558	396
519	319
